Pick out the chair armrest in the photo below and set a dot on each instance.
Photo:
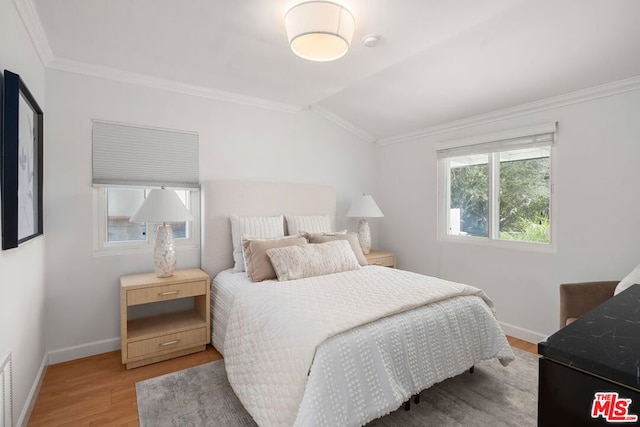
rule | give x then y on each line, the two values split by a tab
578	298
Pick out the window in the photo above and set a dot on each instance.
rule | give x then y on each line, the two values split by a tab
115	233
498	190
122	203
128	162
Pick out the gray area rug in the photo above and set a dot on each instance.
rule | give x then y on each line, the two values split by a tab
492	396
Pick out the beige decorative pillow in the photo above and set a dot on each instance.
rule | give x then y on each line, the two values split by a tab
255	255
352	238
297	262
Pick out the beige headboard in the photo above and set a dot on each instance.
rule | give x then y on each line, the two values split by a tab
223	198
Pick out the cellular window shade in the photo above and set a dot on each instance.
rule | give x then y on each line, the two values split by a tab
134	155
545	137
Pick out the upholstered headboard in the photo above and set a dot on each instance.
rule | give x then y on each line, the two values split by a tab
220	199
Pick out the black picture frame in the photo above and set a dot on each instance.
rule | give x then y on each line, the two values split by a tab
22	163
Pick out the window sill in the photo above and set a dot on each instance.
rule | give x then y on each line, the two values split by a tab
148	249
501	244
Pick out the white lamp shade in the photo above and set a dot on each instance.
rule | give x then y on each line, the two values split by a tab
162	206
365	207
319	30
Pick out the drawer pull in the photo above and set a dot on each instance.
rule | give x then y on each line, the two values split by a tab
170	343
164	294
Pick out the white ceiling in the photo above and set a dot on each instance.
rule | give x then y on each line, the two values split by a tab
437	60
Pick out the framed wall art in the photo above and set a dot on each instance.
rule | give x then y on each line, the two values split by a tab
22	163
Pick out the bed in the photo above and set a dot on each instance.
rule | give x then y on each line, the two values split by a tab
337	349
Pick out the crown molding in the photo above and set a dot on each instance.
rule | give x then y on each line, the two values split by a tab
609	89
28	12
108	73
31	20
350	127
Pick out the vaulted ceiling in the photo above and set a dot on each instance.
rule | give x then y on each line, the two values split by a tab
437	61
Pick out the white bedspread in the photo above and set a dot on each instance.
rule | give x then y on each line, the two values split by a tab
224	288
275	329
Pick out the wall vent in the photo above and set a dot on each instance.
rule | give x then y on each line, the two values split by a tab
6	381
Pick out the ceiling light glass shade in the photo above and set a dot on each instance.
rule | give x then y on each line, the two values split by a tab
319	30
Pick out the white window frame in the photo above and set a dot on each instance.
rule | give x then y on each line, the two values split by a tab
444	187
100	227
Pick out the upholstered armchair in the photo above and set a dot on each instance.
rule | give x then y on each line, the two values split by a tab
578	298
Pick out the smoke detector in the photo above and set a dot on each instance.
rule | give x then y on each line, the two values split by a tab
370	40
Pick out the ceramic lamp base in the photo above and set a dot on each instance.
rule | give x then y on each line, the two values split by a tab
164	252
364	235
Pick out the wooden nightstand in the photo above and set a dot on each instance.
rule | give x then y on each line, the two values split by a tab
153	339
386	259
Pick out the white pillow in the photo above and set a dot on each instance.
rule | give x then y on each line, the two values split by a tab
631	279
297	224
297	262
256	226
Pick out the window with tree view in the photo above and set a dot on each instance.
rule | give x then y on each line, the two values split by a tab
469	195
525	195
499	195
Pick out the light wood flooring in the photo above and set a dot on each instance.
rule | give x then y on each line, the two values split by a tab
99	391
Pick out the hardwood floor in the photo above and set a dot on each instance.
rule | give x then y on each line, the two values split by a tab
99	391
523	345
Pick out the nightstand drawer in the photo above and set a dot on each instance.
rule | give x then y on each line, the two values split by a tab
383	258
386	261
167	343
166	292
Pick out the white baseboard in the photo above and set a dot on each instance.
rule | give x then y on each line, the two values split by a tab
523	334
23	420
84	350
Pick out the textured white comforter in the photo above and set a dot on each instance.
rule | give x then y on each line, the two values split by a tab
293	356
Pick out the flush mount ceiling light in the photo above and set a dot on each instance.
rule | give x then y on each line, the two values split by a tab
319	30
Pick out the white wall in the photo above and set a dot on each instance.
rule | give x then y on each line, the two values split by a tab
236	143
22	278
597	190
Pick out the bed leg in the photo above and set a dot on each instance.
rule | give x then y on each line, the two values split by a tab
407	404
472	369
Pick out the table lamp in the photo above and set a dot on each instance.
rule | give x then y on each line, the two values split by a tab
163	206
364	207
